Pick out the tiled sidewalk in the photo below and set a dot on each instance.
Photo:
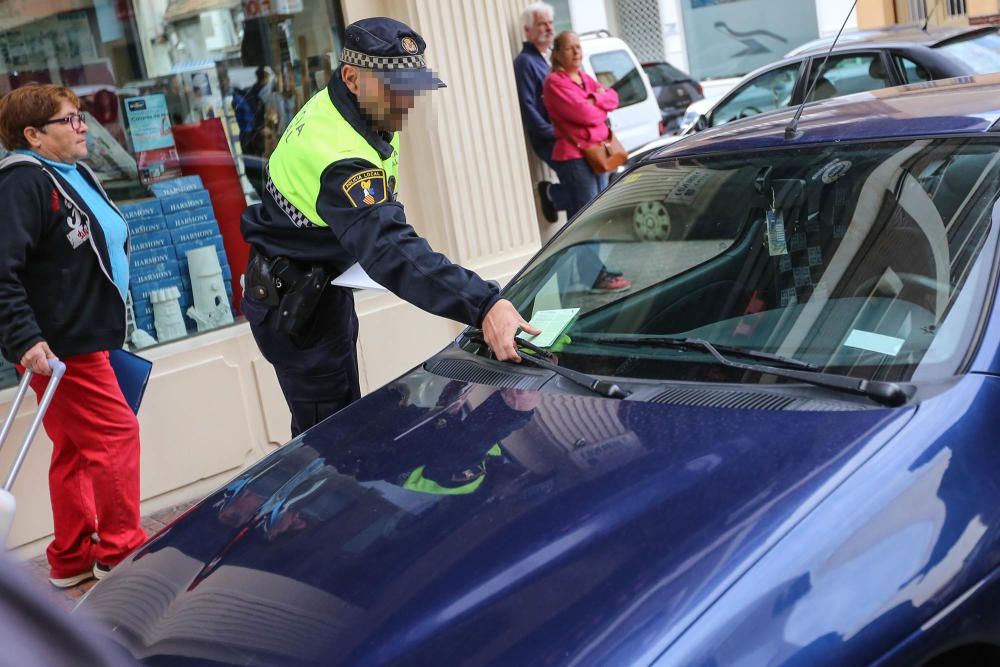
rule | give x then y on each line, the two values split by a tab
68	597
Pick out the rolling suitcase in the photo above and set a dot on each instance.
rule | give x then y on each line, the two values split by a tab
7	502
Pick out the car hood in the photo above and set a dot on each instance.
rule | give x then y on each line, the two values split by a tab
447	522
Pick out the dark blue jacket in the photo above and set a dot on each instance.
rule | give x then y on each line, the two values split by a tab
530	70
378	237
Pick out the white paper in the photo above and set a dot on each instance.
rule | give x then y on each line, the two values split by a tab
873	342
356	278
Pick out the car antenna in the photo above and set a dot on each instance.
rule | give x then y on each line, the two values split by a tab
927	19
792	131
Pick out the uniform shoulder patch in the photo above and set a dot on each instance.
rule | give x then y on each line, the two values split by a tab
366	188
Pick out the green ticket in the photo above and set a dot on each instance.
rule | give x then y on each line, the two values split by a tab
553	324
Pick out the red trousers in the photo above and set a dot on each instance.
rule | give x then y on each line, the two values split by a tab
94	473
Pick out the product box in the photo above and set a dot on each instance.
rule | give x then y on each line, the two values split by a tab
176	186
191	216
161	273
176	203
8	374
140	226
151	241
146	208
195	232
143	309
152	257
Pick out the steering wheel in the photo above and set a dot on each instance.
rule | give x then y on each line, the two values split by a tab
746	112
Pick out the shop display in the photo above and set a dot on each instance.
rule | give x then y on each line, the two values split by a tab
159	93
180	218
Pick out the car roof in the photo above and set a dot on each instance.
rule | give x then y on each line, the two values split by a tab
961	105
791	60
898	36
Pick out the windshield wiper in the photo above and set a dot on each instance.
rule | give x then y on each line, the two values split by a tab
694	343
594	384
886	393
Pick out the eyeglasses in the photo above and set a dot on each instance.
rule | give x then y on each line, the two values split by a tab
75	121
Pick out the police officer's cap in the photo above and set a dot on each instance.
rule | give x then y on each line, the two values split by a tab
392	49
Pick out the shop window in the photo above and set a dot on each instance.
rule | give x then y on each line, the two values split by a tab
184	100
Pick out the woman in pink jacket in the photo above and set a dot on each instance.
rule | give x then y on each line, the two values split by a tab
578	107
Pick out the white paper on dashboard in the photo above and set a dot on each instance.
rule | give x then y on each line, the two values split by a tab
356	278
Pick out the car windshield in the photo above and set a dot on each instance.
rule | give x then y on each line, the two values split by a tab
869	260
981	52
663	74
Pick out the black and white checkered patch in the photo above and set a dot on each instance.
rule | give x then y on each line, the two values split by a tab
358	59
297	217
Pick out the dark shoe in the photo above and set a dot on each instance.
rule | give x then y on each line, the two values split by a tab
608	283
548	208
101	571
70	582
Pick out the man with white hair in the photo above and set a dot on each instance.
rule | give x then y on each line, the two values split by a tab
531	66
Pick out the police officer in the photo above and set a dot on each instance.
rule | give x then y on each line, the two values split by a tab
330	201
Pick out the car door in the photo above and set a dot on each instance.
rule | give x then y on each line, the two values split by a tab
847	73
770	90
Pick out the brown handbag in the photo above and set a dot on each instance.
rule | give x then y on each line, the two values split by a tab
604	156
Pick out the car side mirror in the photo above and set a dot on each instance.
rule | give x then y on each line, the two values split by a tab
701	123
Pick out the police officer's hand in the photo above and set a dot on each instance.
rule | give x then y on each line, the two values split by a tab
36	359
499	328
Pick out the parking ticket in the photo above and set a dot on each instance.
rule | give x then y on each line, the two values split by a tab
553	324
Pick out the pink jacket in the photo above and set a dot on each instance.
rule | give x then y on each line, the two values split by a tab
580	112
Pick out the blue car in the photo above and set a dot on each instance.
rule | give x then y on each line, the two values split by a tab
779	447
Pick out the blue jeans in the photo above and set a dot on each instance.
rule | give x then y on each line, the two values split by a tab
580	183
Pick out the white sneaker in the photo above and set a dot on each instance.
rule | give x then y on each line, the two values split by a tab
69	582
101	571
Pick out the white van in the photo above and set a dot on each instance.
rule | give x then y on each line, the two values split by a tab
608	59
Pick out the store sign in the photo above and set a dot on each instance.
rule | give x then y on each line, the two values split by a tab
152	138
732	37
257	8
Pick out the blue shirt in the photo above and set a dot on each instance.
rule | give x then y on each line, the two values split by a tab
530	70
113	225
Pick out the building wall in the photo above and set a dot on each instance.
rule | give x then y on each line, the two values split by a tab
213	406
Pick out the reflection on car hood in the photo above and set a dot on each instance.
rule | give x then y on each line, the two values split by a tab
438	521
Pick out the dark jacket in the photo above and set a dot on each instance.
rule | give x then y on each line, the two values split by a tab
378	236
530	70
55	276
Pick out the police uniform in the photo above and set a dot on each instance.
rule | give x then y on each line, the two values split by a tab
329	201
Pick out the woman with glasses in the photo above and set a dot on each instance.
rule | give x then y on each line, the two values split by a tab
64	272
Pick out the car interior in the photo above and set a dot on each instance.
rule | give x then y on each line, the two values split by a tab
875	247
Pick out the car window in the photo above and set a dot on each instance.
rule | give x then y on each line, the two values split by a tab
912	72
767	92
980	53
843	75
865	260
663	74
617	70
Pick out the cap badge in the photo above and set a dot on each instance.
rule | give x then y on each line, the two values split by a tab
409	45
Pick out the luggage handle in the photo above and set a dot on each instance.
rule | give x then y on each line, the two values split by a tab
58	369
